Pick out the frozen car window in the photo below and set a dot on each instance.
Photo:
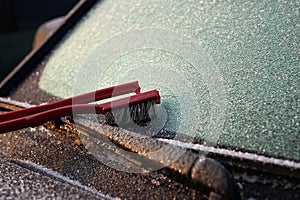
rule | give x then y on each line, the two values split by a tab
227	71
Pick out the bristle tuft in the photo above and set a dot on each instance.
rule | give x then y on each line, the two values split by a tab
139	114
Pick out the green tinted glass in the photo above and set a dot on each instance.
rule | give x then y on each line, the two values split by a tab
227	72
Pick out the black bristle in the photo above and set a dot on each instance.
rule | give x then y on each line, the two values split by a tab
139	114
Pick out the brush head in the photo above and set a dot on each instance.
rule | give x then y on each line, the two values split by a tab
140	114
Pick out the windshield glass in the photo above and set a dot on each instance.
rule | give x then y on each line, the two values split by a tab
228	72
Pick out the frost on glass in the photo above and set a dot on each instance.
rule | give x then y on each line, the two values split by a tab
253	50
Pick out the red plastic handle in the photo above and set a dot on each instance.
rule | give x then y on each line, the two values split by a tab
50	115
80	99
142	97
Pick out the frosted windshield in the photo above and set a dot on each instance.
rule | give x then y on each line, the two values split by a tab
228	72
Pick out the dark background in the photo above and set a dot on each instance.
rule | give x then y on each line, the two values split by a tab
19	19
